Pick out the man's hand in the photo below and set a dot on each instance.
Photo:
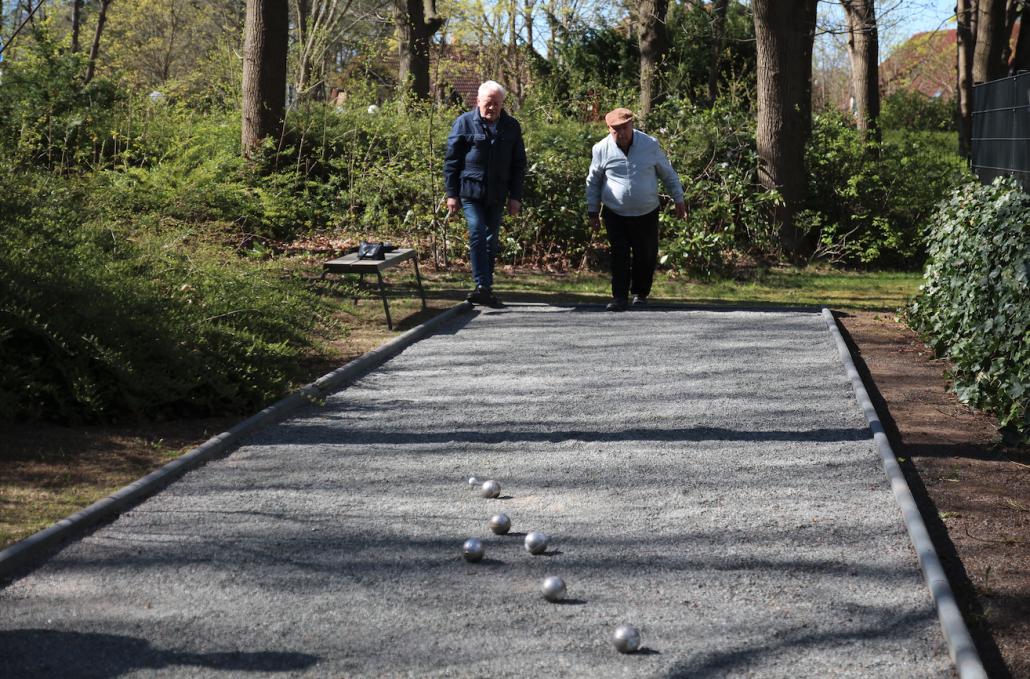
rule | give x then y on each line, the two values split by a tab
594	220
681	210
514	207
452	205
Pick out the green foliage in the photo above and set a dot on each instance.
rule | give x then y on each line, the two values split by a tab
157	319
595	70
910	110
868	204
974	304
48	115
713	150
687	63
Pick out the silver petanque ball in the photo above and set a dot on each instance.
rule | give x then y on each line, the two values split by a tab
472	550
490	489
536	542
626	638
553	588
474	483
500	524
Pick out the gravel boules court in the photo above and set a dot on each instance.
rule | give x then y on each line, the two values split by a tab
704	477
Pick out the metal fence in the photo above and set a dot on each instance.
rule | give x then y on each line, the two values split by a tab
1001	129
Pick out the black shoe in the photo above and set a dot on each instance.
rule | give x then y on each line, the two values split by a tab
484	297
617	304
639	300
491	300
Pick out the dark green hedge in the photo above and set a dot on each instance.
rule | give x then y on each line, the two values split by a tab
974	306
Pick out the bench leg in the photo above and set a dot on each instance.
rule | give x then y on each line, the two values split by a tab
418	279
386	304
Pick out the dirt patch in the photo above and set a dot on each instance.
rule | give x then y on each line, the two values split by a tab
974	493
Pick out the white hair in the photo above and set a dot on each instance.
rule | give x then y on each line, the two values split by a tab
491	86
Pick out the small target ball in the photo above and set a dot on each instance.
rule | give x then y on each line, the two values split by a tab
626	639
553	588
490	489
474	483
536	542
472	550
500	524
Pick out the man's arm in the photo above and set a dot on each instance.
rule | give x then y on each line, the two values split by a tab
672	183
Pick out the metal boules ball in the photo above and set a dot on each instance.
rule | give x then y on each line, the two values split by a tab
626	638
472	550
500	524
553	588
536	542
474	482
490	489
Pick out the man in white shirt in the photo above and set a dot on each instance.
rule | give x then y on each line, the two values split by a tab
623	178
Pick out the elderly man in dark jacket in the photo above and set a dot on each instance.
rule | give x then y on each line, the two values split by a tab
484	168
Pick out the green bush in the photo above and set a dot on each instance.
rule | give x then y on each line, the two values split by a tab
868	204
974	304
908	110
101	320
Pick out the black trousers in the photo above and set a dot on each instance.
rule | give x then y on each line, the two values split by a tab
634	248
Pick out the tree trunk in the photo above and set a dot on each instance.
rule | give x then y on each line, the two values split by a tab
1021	55
76	22
653	40
990	40
863	48
304	61
265	42
965	12
719	8
784	34
417	22
94	50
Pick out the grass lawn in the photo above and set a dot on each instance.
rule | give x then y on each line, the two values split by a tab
871	291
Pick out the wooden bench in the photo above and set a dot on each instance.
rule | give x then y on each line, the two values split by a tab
350	263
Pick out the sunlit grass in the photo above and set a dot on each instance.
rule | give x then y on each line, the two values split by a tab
880	291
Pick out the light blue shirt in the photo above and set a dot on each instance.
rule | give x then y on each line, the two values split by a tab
627	184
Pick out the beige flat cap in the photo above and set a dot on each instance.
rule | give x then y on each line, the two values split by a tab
618	117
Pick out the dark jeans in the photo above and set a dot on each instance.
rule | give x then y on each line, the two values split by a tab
484	222
634	246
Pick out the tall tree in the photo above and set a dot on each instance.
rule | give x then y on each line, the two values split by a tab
988	63
719	8
863	49
965	14
94	50
265	43
784	34
76	23
1021	55
653	39
417	21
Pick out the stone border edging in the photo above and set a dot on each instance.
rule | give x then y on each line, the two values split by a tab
21	553
960	643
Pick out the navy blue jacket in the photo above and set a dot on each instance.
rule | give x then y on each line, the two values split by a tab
482	166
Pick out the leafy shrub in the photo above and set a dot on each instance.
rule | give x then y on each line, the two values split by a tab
974	304
908	110
868	204
153	319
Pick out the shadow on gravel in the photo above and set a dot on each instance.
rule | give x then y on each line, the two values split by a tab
55	653
965	592
311	434
736	662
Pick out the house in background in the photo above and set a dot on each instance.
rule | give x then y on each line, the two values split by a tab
925	63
